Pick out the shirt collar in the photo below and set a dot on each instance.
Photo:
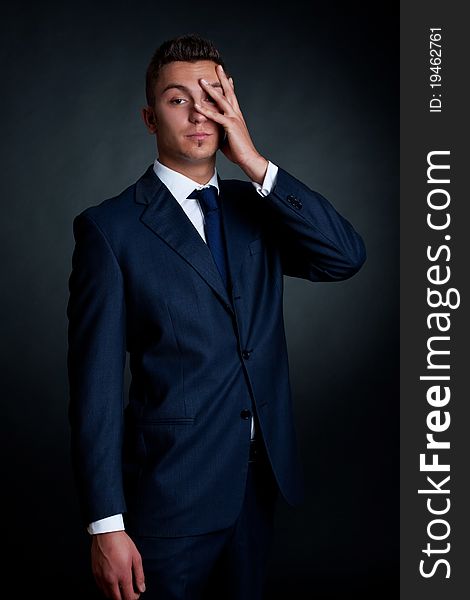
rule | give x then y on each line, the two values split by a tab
179	185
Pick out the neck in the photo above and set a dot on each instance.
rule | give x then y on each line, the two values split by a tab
200	171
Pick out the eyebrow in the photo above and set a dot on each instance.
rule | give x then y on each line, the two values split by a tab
184	88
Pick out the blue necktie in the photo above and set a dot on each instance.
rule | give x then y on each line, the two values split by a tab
213	227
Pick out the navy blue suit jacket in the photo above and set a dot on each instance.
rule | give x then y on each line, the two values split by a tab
173	455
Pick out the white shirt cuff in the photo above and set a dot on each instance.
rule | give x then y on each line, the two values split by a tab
269	180
106	525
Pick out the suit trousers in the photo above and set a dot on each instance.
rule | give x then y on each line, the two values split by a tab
229	563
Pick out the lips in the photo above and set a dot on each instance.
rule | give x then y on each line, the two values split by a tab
199	135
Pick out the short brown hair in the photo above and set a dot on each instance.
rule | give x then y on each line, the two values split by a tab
190	47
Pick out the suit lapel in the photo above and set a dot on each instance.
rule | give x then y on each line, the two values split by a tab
165	217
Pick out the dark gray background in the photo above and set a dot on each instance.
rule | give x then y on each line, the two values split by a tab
318	86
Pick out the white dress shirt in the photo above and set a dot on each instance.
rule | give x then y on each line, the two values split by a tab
181	187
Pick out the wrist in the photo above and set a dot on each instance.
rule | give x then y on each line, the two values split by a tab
255	168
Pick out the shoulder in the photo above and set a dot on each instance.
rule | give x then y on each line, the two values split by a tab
113	214
112	208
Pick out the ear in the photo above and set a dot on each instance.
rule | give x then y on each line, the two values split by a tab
148	115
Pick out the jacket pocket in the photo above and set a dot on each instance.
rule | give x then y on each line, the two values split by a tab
148	423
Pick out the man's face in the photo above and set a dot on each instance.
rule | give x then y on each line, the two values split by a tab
183	134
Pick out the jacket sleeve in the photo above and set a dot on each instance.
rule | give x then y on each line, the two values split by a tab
316	242
95	362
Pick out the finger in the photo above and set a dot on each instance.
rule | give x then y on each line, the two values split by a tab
224	82
235	101
228	87
139	578
214	93
114	591
127	590
108	587
211	114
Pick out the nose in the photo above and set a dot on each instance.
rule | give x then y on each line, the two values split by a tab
196	117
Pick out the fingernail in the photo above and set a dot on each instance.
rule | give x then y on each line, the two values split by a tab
203	81
142	588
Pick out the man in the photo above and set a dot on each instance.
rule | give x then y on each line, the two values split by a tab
184	271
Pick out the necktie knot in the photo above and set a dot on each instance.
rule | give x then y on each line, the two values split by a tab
207	198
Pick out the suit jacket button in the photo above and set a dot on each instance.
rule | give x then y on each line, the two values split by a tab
245	414
294	201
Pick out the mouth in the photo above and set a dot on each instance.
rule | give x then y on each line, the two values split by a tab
199	136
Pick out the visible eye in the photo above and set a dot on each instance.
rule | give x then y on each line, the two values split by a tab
210	99
177	101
